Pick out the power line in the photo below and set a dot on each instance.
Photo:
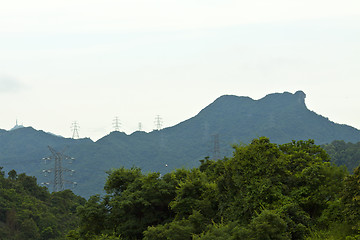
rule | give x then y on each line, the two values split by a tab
58	171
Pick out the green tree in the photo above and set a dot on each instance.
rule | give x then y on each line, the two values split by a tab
351	200
29	230
28	211
344	154
264	191
134	202
12	175
92	216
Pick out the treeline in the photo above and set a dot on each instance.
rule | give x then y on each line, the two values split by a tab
264	191
344	154
28	211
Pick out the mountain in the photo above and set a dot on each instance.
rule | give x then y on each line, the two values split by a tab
229	120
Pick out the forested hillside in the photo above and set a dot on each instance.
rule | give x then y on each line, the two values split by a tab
264	191
229	120
28	211
344	154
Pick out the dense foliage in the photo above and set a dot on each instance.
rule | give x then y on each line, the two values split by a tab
264	191
28	211
344	154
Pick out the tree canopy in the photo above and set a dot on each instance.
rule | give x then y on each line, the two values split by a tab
264	191
28	211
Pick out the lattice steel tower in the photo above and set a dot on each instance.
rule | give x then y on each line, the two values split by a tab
158	122
116	124
75	129
58	171
216	149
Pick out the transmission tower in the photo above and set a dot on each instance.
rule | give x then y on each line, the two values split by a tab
140	126
58	171
158	122
216	149
75	129
116	124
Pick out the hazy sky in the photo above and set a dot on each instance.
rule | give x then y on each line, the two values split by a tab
90	61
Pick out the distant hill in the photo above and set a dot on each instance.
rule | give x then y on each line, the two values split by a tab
282	117
343	153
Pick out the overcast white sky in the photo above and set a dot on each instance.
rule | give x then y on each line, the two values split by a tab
90	61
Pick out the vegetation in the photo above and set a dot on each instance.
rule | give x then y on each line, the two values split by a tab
264	191
281	117
344	154
28	211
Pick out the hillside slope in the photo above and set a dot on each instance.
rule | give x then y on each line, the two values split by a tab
282	117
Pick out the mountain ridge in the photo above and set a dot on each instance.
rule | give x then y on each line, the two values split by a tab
282	117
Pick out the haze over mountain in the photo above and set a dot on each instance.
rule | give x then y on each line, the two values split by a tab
229	120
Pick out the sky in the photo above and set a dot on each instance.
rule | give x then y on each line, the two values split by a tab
92	61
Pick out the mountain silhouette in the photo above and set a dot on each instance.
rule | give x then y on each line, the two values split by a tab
229	120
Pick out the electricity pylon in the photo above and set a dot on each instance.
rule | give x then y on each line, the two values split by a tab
158	122
116	124
75	129
58	170
216	149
